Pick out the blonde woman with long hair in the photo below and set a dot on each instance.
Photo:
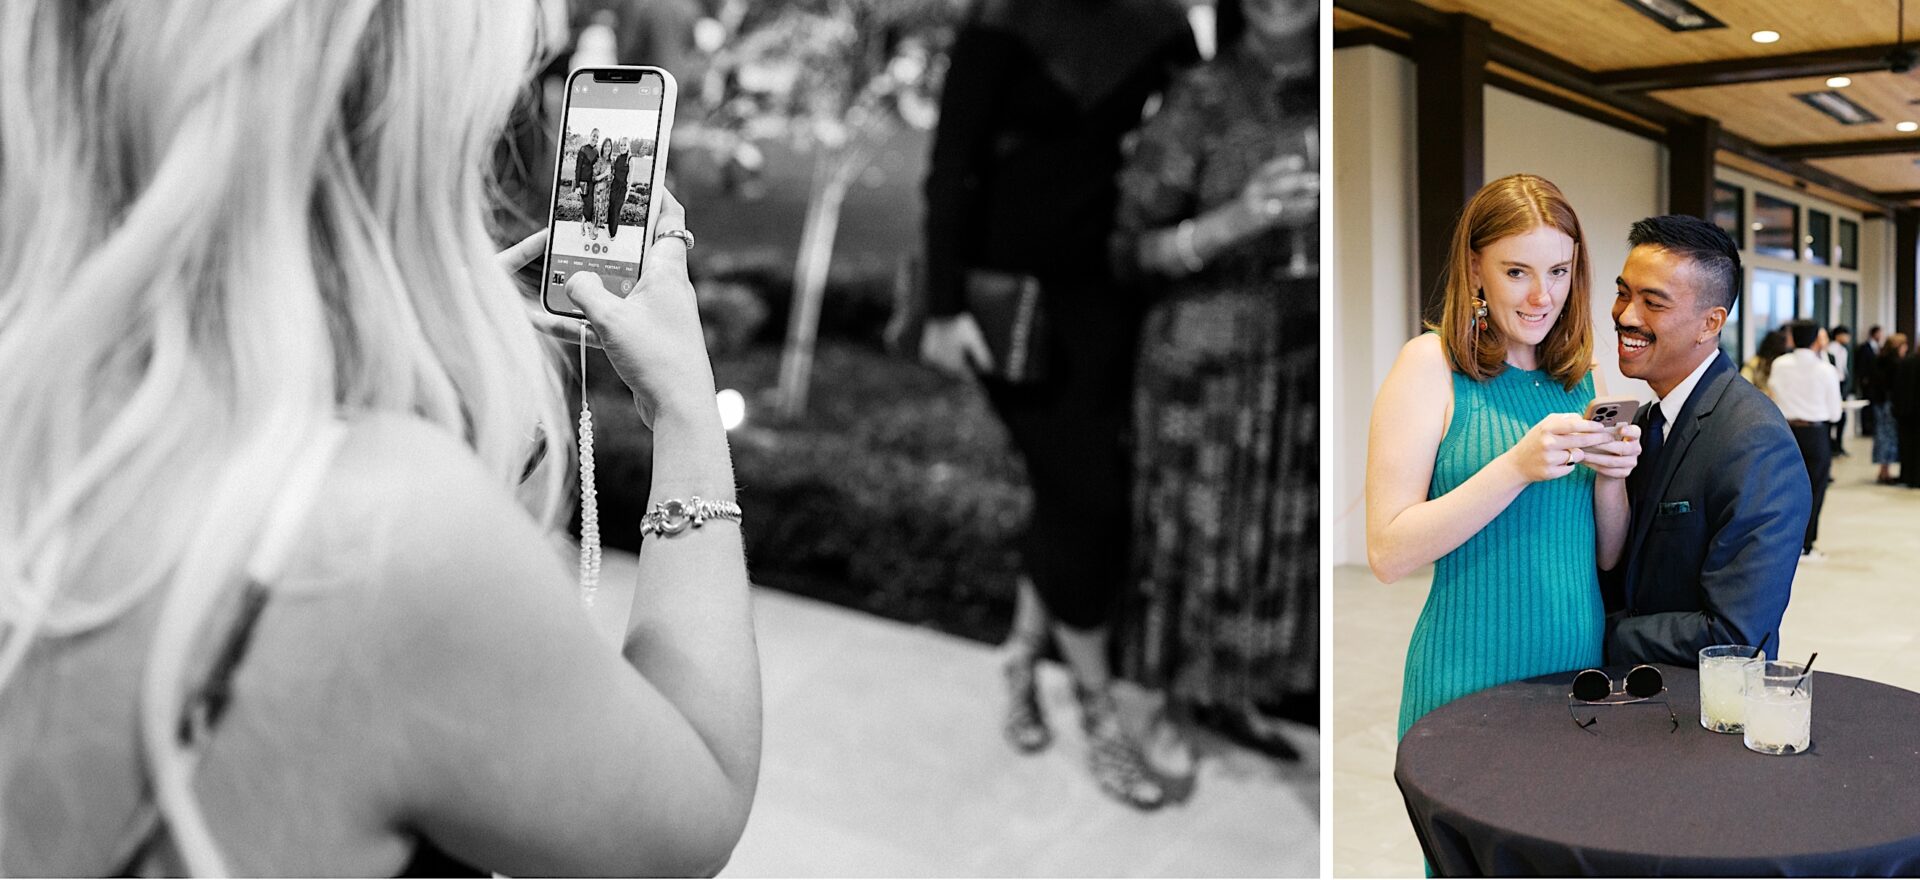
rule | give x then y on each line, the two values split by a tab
269	603
1478	459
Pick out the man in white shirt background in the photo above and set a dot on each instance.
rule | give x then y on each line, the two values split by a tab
1807	390
1838	353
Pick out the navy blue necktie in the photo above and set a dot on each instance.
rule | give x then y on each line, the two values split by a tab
1651	441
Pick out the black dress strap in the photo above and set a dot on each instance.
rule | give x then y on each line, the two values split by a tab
202	713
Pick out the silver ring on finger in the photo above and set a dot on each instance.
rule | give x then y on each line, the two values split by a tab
685	236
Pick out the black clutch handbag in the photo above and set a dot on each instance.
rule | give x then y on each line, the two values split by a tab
1008	309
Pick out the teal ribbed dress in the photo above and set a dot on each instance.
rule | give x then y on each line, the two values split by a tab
1522	597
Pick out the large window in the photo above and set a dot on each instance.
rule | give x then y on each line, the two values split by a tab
1776	227
1819	240
1801	256
1771	301
1730	211
1848	257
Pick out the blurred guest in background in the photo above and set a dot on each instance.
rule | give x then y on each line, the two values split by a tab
1021	196
1221	199
1839	353
1807	390
1865	370
1886	429
1760	366
1903	393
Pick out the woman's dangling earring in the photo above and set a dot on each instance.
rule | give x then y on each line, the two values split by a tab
1479	314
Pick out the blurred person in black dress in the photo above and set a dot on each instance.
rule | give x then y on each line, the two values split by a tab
1039	95
1903	393
1220	202
617	187
1864	372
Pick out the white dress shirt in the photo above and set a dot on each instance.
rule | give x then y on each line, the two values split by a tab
1805	386
1676	400
1838	355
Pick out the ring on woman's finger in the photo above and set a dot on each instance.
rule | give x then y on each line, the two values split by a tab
685	236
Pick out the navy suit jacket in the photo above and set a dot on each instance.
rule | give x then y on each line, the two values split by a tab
1717	527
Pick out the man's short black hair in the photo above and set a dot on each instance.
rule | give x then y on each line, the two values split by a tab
1872	330
1804	332
1838	331
1715	255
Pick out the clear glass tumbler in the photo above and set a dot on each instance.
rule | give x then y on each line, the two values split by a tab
1723	683
1779	702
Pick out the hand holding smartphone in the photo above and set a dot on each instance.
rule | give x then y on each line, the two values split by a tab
611	161
1612	412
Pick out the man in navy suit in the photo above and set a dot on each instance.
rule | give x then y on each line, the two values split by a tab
1720	498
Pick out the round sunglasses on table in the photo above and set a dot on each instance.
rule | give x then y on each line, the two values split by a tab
1642	684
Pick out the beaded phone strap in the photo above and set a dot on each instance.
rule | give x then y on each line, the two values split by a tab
589	500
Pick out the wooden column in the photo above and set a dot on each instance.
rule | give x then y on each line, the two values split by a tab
1906	268
1450	137
1690	164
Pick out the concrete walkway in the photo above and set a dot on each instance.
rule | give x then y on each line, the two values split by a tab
883	757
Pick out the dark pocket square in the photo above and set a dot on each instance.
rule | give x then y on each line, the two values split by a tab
1674	508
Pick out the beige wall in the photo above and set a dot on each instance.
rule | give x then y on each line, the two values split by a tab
1371	291
1876	278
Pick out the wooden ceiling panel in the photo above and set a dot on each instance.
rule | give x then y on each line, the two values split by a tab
1768	113
1894	173
1607	35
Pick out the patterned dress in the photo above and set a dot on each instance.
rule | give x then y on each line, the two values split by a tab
1222	611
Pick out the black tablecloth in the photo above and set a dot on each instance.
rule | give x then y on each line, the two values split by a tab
1502	782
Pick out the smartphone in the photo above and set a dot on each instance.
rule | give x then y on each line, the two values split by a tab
612	158
1613	412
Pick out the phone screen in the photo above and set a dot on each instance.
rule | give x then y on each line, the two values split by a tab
609	134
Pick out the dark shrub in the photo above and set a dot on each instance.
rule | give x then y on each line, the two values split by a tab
631	214
896	494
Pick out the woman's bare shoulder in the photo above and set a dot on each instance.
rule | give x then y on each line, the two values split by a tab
435	485
1425	351
1423	363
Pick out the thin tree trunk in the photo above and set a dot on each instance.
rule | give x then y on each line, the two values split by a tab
833	176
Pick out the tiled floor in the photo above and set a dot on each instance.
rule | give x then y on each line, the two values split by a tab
883	757
1860	610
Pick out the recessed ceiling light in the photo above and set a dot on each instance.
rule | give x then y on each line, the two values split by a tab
1757	226
1838	82
1838	106
1908	126
1766	36
1675	15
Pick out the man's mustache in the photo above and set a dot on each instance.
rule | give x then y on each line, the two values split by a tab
1634	332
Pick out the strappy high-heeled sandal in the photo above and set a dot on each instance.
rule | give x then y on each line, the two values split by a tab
1117	763
1026	727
